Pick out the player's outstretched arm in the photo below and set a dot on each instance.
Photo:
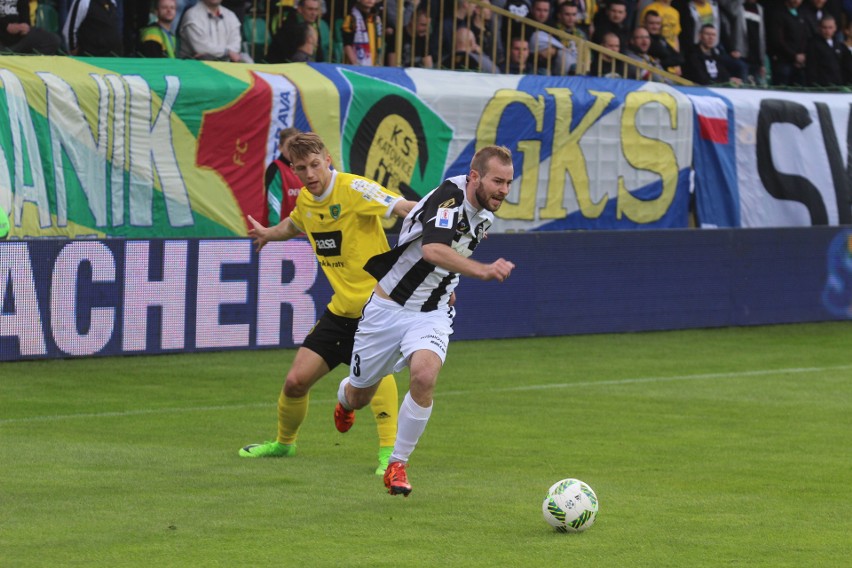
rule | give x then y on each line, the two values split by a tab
284	230
403	207
444	256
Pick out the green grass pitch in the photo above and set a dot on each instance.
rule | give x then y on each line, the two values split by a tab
723	447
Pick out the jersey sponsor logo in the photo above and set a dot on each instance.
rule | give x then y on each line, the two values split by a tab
444	218
480	231
370	190
328	244
334	264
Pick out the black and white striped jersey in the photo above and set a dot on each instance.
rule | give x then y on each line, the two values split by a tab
443	216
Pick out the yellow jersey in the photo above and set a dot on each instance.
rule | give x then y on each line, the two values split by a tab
345	230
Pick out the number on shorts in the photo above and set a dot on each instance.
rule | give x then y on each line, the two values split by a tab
356	368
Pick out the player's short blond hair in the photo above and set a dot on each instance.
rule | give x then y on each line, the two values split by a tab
287	133
305	144
483	157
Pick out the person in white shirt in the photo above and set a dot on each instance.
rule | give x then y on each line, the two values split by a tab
211	32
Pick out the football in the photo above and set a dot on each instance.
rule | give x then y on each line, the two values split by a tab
570	506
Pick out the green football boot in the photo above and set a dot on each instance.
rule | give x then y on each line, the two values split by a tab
268	450
384	455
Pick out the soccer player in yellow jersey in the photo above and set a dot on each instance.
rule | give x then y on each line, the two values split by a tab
341	215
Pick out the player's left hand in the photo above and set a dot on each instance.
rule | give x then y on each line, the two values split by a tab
259	233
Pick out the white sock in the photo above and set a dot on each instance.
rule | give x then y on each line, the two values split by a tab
411	424
341	394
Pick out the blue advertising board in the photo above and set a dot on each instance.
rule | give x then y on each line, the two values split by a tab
75	298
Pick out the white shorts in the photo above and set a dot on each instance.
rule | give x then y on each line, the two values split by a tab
388	334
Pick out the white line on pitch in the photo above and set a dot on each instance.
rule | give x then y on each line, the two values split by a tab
791	371
614	382
140	412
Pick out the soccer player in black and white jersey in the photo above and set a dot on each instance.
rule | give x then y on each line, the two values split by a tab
409	318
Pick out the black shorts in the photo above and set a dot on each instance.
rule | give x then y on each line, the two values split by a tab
332	338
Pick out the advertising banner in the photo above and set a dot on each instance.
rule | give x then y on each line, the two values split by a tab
80	298
61	298
143	148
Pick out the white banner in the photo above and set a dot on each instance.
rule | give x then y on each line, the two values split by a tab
792	157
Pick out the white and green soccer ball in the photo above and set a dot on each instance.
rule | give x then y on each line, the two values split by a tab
570	506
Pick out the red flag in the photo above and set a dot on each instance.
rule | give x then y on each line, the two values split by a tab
233	141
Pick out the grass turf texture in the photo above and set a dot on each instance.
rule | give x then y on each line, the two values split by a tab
705	447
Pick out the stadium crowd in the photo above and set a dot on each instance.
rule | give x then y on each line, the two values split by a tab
752	42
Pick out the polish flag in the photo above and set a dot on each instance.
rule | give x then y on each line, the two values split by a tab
712	113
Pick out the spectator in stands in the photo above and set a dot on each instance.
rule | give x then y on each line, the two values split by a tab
282	184
306	12
752	39
601	15
550	56
519	57
698	14
18	35
603	64
813	11
158	39
467	56
703	64
485	27
211	32
416	51
567	15
787	46
362	34
93	28
670	58
694	15
670	19
640	42
304	44
541	13
614	21
566	21
825	56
